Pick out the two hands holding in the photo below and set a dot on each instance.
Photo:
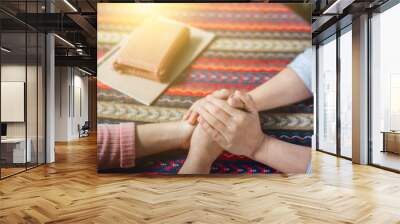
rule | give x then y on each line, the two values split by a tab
226	120
231	122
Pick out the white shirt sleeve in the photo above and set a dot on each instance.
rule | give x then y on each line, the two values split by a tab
301	65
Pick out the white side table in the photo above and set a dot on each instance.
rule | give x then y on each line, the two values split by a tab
18	145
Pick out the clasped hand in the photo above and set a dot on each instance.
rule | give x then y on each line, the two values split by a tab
231	120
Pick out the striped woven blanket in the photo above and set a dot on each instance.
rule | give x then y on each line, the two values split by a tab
254	41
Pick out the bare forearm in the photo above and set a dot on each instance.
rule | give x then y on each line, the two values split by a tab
282	156
283	89
159	137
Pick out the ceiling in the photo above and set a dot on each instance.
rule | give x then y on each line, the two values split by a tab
75	21
72	20
330	16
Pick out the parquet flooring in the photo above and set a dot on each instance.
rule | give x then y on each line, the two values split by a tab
70	191
10	171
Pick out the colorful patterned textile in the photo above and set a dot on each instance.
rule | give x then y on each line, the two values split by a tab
254	41
226	163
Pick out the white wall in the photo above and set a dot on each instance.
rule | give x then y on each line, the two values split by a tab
81	84
15	73
33	126
69	85
12	73
61	103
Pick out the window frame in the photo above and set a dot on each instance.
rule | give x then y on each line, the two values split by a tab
333	37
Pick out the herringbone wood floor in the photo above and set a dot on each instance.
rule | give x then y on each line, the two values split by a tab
70	191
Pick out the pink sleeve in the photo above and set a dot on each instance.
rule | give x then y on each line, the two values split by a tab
116	145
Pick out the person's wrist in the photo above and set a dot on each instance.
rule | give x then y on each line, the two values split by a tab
263	141
184	134
197	166
202	162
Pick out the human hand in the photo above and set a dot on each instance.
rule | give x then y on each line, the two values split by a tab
235	130
192	114
203	152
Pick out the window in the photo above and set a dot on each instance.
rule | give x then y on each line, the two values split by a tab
327	96
22	76
346	93
385	89
394	102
